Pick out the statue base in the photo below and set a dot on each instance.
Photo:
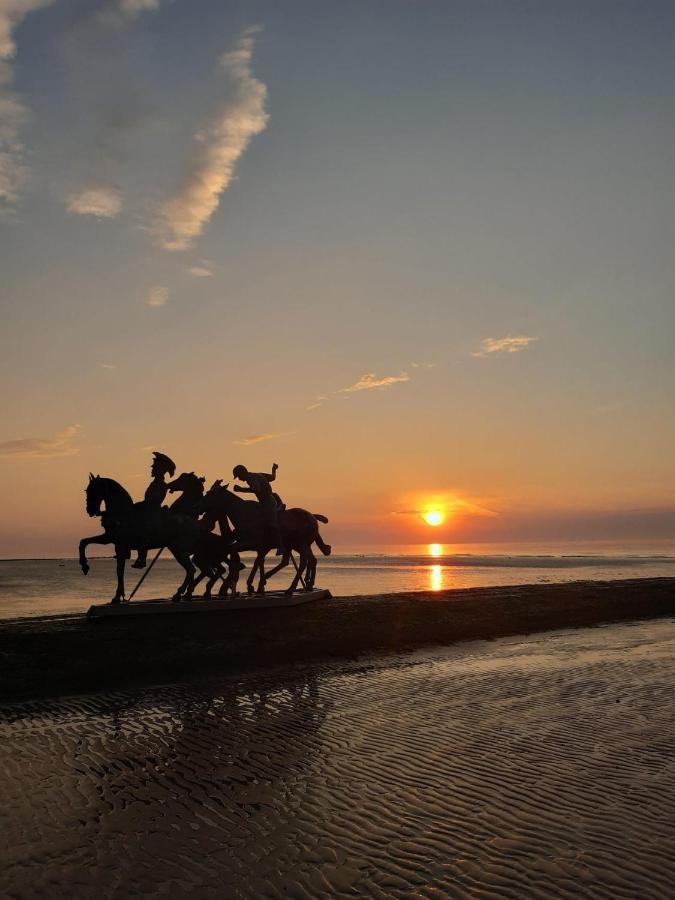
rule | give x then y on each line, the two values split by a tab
269	600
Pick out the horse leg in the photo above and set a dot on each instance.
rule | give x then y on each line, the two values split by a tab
198	580
285	559
214	576
298	572
122	555
305	568
310	574
84	543
186	588
261	566
235	568
252	573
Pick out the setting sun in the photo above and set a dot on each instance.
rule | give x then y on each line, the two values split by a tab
433	518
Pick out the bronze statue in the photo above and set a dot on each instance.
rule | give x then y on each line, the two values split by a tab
186	528
151	506
259	485
297	528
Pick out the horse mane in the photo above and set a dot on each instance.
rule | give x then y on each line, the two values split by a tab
116	489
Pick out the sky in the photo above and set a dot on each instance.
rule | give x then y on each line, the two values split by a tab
420	254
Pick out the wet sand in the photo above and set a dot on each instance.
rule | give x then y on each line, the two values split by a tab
63	655
522	767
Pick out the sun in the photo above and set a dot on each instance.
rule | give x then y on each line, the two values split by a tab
433	517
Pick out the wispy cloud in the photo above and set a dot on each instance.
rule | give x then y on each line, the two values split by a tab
506	344
133	8
157	296
42	448
119	12
203	270
370	381
257	438
218	147
423	365
101	202
13	113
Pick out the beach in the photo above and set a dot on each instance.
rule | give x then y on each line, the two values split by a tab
519	767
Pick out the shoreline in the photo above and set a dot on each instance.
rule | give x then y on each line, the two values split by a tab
66	654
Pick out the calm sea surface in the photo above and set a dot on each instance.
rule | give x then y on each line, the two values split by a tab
51	586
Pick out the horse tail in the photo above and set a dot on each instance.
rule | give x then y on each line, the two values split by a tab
323	546
320	518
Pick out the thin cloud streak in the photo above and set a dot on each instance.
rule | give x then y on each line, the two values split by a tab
42	448
101	202
219	145
506	344
13	113
370	381
201	271
258	438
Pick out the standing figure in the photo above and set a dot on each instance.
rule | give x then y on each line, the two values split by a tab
259	484
150	508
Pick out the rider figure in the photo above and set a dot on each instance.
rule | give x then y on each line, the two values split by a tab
150	507
270	503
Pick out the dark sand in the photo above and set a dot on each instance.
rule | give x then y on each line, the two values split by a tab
63	655
521	768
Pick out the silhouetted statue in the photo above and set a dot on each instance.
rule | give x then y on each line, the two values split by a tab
151	506
186	528
259	485
298	531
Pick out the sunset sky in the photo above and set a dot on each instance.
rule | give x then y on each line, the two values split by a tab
418	253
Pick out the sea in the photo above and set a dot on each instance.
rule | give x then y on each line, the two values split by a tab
36	587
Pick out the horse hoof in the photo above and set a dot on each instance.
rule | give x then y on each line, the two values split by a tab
116	600
288	593
176	598
85	568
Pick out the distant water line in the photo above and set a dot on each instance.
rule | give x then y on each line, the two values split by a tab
44	587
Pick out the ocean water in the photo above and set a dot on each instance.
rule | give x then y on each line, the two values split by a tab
53	586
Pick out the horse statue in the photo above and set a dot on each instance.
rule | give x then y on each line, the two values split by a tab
212	550
127	528
298	527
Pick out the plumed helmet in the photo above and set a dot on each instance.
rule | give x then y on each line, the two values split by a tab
164	463
240	472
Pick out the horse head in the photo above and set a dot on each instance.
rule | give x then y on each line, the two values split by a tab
94	495
187	482
106	490
214	499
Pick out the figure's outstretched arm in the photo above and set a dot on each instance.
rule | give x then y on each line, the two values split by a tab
273	476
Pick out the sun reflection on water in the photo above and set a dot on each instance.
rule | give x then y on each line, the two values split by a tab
435	549
436	578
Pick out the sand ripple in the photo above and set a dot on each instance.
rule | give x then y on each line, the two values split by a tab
519	768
